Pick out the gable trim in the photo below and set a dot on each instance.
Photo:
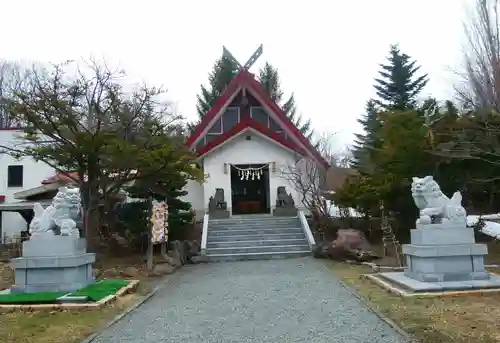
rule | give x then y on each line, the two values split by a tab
222	107
207	132
284	126
224	100
265	100
242	127
245	80
243	132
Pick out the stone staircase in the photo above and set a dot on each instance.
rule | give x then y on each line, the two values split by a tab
255	237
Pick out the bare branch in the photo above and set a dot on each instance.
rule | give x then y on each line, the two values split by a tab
308	177
480	86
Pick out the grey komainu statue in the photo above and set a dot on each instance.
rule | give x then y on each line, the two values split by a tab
434	206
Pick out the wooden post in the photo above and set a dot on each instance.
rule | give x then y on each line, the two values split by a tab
165	237
164	249
149	254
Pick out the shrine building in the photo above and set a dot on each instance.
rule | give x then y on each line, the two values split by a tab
244	143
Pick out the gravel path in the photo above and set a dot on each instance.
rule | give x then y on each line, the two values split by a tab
290	300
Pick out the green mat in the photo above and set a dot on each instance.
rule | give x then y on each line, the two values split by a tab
30	298
94	292
101	289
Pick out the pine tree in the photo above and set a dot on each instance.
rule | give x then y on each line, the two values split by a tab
224	70
269	78
399	84
180	213
368	141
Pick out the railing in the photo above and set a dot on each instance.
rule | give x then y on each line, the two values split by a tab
307	231
204	235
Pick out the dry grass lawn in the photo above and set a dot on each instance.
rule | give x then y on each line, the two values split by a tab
70	326
471	319
61	326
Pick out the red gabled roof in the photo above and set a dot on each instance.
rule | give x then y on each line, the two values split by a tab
249	124
245	80
63	178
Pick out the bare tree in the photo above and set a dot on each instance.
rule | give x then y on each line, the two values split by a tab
343	158
480	85
83	120
308	177
13	77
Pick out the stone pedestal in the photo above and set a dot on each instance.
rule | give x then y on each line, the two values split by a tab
53	264
285	212
443	257
440	252
219	214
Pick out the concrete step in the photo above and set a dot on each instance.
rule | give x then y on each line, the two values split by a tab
247	237
254	256
251	218
248	243
258	249
257	231
265	220
253	226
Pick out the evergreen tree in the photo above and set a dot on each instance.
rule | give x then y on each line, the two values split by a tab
398	84
269	78
180	214
365	143
223	71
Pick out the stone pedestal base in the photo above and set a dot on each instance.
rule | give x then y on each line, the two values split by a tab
53	264
444	253
285	212
219	214
399	280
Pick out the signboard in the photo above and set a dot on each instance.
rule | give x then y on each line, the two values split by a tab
159	222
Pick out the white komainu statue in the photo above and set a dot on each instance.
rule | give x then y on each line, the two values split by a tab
62	213
434	206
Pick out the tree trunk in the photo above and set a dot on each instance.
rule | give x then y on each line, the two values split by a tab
90	206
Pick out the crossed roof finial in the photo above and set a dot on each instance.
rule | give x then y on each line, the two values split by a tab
249	63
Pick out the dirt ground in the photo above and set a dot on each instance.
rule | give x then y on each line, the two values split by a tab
433	320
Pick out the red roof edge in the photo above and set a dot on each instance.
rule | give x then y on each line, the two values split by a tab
244	124
216	108
60	177
257	87
245	78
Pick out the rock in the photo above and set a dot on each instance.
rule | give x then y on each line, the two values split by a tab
192	248
6	276
174	258
350	244
121	241
5	257
152	273
130	272
174	262
110	273
180	248
163	269
96	272
197	259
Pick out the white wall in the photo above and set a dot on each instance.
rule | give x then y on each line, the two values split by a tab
258	150
33	174
195	197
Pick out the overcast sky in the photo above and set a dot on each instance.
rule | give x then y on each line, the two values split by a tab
327	52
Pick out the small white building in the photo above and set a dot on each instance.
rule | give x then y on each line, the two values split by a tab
244	143
17	175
